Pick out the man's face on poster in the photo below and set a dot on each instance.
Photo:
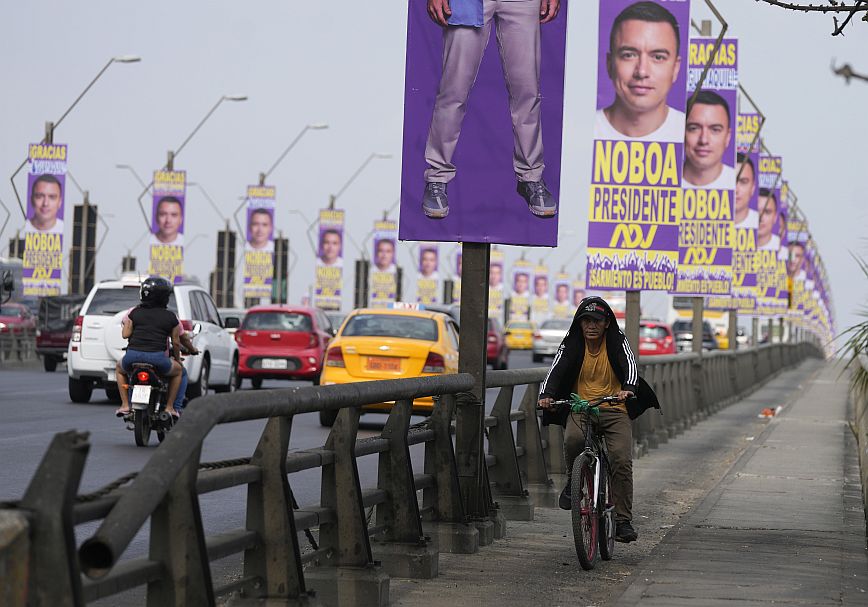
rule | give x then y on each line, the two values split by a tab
45	199
643	64
521	282
495	275
541	286
768	210
796	259
428	262
578	296
706	136
562	293
744	189
169	219
260	229
330	247
385	255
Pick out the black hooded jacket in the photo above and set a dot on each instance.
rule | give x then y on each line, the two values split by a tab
561	378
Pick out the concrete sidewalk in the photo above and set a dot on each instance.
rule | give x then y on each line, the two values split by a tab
737	510
784	526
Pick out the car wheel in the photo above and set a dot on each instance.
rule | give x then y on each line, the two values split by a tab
232	386
327	418
49	363
257	382
200	388
113	394
504	361
80	390
537	358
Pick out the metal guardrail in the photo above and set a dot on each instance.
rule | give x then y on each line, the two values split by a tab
18	346
341	562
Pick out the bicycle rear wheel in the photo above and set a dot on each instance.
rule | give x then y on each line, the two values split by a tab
606	513
585	519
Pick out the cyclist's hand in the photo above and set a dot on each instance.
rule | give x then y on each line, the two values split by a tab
623	395
545	403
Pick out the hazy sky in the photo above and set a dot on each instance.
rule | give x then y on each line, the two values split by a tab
342	62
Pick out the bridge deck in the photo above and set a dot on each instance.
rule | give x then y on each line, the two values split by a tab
737	510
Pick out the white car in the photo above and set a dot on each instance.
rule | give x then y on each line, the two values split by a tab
548	337
96	343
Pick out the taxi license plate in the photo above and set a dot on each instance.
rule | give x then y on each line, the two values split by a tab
274	363
141	394
384	363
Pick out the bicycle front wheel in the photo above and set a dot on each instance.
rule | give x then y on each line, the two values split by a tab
584	515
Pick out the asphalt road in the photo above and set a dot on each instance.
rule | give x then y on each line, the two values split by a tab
35	405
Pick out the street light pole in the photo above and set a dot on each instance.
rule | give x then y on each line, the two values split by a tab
50	126
356	174
316	126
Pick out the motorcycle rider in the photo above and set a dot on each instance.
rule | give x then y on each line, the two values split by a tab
148	327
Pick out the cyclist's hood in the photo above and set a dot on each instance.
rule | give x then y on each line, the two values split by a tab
597	304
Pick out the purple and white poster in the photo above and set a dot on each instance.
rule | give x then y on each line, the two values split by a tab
635	198
329	260
768	238
540	301
705	231
562	306
43	232
259	244
384	272
166	243
519	297
428	276
495	284
481	153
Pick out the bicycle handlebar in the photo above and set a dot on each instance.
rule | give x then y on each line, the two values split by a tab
594	403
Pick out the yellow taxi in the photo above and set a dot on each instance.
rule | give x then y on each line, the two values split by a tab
519	334
722	339
390	344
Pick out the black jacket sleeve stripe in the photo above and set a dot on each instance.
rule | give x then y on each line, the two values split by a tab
555	362
632	371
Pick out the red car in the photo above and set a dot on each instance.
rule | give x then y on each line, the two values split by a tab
655	338
498	352
15	318
282	342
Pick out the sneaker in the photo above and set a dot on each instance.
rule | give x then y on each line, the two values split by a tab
538	198
435	203
565	498
624	532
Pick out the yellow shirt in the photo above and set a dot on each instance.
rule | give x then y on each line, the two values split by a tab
597	378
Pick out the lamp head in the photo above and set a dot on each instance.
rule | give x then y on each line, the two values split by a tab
127	59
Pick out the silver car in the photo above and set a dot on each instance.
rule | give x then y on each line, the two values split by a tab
548	337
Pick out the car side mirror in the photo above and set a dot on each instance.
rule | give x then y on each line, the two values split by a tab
333	332
231	322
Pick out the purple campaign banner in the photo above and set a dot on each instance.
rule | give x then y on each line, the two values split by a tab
42	262
636	196
384	283
166	245
328	286
259	245
483	203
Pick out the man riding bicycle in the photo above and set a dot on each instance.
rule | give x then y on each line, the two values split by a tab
594	360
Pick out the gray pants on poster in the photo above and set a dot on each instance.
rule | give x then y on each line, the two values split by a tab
518	40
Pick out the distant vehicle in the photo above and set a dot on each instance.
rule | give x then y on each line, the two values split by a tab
655	338
282	342
54	327
97	344
453	310
336	319
548	338
496	348
519	334
683	330
378	343
15	318
741	337
232	318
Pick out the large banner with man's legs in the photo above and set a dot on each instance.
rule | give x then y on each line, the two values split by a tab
481	153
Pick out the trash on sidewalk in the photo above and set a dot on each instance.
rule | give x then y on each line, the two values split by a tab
770	412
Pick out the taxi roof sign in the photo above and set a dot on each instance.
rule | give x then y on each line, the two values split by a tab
406	305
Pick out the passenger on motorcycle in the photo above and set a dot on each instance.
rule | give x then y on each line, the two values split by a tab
148	328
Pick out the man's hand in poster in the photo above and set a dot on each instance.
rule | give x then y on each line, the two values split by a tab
440	12
548	9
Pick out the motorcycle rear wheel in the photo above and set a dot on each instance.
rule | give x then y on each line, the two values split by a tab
141	427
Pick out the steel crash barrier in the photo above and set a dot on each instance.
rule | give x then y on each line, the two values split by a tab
332	552
17	346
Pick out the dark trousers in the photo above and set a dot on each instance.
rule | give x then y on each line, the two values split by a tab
616	427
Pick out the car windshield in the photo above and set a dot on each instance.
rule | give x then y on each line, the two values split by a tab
11	311
277	321
556	325
519	325
652	332
108	301
682	325
391	325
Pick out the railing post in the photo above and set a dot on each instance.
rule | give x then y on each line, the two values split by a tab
276	560
55	577
347	575
178	541
509	490
447	522
539	485
402	549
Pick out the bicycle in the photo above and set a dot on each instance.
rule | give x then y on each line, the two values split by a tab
592	505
